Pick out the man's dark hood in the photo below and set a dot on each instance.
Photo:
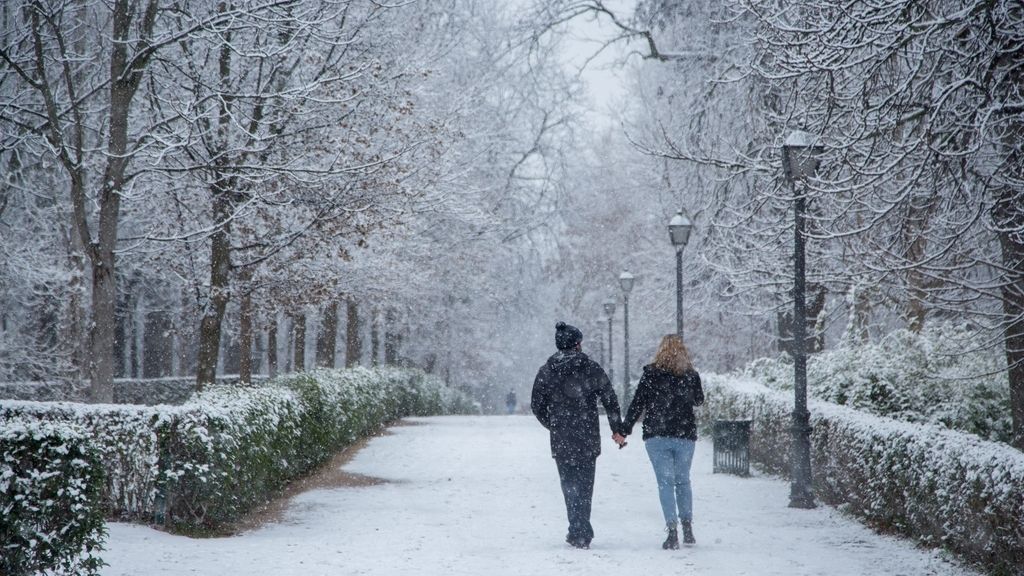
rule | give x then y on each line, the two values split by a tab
571	367
565	360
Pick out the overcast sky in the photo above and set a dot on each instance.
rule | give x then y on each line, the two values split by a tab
604	75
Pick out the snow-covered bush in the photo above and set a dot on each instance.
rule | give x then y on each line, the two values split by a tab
942	487
944	375
127	439
198	466
149	391
51	518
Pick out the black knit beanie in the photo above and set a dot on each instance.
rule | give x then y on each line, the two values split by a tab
566	336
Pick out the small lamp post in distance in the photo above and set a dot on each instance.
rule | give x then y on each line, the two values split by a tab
679	228
609	310
626	283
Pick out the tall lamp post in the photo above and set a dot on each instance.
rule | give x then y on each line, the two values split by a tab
609	309
679	231
600	338
800	162
626	283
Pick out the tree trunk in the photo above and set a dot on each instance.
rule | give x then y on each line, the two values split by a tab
327	339
176	343
374	338
1008	215
245	338
784	332
390	339
299	330
272	347
816	340
183	333
353	345
915	226
289	345
916	309
125	77
259	347
137	327
220	241
101	336
859	318
1014	338
220	276
77	335
156	344
122	335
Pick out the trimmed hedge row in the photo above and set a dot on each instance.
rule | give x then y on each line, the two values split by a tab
236	459
947	374
199	466
50	485
941	487
148	391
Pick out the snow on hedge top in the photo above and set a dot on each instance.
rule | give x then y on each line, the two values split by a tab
19	428
965	447
224	401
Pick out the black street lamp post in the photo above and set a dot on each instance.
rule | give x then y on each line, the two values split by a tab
626	283
609	309
799	162
679	231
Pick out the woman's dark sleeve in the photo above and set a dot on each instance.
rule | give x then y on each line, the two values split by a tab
698	390
636	406
606	392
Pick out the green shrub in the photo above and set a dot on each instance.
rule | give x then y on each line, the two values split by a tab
941	487
51	517
198	467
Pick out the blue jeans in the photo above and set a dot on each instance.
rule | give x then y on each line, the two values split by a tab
671	458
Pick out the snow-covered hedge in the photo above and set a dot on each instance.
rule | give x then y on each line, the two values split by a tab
148	391
942	487
50	487
947	374
198	466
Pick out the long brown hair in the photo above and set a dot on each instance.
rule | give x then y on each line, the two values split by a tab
672	355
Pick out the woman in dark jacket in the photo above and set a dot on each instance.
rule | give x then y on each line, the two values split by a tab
665	397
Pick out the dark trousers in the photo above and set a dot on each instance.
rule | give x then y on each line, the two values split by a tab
577	478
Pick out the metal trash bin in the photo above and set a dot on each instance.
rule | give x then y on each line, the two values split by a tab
731	446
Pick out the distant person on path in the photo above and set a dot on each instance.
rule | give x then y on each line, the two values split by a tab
564	400
511	402
665	397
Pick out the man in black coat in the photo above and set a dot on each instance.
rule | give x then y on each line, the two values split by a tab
564	400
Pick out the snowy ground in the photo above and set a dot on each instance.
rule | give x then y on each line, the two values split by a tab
479	496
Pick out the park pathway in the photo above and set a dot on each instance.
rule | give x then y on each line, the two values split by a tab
479	496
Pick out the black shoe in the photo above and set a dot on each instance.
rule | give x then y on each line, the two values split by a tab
580	544
672	542
688	533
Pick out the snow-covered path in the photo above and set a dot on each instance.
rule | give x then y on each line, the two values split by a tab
479	496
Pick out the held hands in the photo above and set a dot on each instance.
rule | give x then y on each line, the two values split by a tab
620	440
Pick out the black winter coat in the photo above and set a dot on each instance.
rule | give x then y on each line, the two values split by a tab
666	402
564	400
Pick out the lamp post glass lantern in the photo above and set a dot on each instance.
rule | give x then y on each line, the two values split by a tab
799	162
679	228
626	283
609	309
